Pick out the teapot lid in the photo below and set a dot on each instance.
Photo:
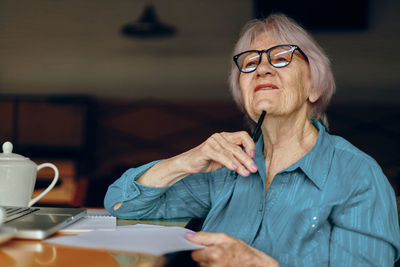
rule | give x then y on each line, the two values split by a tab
7	153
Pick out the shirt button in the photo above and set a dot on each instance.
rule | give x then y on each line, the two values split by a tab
313	225
314	218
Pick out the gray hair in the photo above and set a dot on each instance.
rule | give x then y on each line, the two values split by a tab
285	30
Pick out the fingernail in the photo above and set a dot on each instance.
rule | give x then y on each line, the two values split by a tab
254	167
234	166
252	154
190	234
246	172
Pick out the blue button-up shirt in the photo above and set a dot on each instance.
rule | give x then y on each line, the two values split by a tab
332	207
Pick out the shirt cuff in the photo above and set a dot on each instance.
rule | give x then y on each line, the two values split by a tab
134	189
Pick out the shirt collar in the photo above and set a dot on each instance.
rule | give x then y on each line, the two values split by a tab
315	164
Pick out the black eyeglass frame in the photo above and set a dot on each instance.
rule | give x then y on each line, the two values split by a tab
267	51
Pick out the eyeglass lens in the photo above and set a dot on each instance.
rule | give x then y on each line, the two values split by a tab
278	57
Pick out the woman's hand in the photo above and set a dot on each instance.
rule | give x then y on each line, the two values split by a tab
224	250
222	150
232	150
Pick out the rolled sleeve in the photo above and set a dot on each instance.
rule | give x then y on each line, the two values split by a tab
126	189
189	197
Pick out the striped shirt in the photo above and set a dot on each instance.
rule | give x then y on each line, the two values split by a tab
334	206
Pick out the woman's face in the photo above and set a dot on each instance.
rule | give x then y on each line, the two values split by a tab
279	91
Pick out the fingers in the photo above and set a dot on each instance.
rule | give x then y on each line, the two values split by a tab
234	151
221	250
242	139
208	256
211	254
224	250
207	238
226	148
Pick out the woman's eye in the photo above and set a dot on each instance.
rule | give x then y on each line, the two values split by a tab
250	64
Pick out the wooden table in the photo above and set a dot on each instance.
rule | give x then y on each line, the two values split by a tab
32	253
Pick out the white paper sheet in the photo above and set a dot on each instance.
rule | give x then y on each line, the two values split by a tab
157	240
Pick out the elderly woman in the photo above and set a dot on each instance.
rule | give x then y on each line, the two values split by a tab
296	197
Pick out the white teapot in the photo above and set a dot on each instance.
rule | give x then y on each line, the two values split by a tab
18	178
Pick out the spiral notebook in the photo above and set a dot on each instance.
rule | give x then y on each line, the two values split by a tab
95	219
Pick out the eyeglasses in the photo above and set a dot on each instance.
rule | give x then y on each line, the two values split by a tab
278	56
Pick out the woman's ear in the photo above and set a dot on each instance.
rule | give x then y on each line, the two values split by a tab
313	97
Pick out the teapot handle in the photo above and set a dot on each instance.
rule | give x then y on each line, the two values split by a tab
53	183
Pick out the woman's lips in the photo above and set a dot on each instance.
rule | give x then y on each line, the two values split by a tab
265	86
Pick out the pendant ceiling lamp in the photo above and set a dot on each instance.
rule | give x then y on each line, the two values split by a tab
148	26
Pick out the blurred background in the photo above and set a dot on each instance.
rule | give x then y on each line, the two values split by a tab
96	88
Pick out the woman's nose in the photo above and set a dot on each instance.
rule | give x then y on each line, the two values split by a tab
264	68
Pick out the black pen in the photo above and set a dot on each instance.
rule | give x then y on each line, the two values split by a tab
257	132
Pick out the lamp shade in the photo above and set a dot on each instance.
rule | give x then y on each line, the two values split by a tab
148	26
